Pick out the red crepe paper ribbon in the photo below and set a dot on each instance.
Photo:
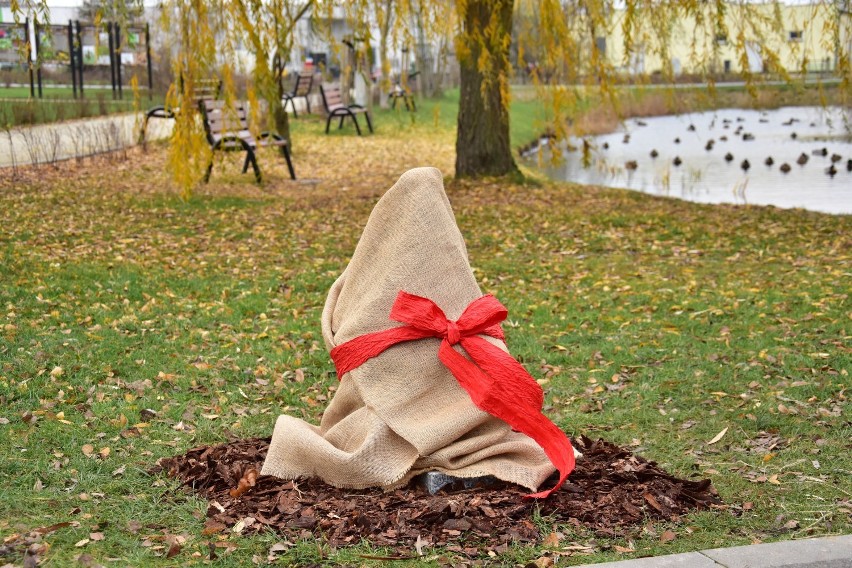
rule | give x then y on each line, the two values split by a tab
496	382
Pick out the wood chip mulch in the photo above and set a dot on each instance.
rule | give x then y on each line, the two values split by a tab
610	490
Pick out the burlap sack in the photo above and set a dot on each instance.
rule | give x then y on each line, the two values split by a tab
402	413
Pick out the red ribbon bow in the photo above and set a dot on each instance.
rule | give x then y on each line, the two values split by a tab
496	382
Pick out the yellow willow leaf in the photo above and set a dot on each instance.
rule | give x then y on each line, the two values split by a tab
718	436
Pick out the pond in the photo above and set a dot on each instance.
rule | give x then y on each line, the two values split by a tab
724	156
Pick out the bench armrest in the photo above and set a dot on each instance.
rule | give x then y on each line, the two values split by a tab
273	135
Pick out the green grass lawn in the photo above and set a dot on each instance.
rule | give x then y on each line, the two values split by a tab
134	325
527	118
52	92
17	108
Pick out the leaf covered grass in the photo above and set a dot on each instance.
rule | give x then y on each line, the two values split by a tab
135	326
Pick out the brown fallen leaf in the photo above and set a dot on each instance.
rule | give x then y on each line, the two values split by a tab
212	527
623	549
174	550
652	501
542	562
551	540
668	536
246	482
52	528
32	556
87	561
88	450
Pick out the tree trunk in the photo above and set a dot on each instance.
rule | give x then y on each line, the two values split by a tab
385	83
482	140
279	115
282	121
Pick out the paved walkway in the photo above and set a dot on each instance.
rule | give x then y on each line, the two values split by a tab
827	552
76	138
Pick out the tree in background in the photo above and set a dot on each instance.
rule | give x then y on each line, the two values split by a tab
193	27
121	11
482	47
265	28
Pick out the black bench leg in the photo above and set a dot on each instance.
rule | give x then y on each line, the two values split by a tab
246	163
210	164
328	123
357	128
288	99
339	126
252	159
369	124
141	141
308	104
286	151
393	103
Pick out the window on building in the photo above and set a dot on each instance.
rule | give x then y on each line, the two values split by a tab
796	35
600	45
721	39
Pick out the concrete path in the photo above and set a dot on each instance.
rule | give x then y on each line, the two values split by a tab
827	552
76	138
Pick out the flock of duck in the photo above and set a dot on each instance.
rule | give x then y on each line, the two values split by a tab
784	167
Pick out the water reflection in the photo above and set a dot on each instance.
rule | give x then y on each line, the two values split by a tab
789	157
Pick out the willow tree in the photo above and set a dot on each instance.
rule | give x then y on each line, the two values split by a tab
482	46
121	11
266	28
208	40
395	24
192	25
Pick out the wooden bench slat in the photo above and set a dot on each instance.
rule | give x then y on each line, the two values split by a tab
227	129
332	99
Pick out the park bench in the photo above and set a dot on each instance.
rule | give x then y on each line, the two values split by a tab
226	126
202	89
399	92
302	89
332	100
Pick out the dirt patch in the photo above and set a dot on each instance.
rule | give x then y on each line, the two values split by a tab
610	489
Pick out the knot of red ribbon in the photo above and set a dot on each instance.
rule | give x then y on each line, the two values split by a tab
496	383
453	332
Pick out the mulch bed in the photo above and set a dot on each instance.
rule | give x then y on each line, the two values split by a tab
611	489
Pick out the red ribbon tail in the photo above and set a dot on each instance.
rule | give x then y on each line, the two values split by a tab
512	397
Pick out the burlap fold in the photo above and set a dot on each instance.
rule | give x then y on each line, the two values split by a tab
402	413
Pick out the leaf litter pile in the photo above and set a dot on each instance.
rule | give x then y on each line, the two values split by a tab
609	490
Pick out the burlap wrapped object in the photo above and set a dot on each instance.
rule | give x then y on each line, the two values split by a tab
402	413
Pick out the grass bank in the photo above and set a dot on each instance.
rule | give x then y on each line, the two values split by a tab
17	109
712	339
